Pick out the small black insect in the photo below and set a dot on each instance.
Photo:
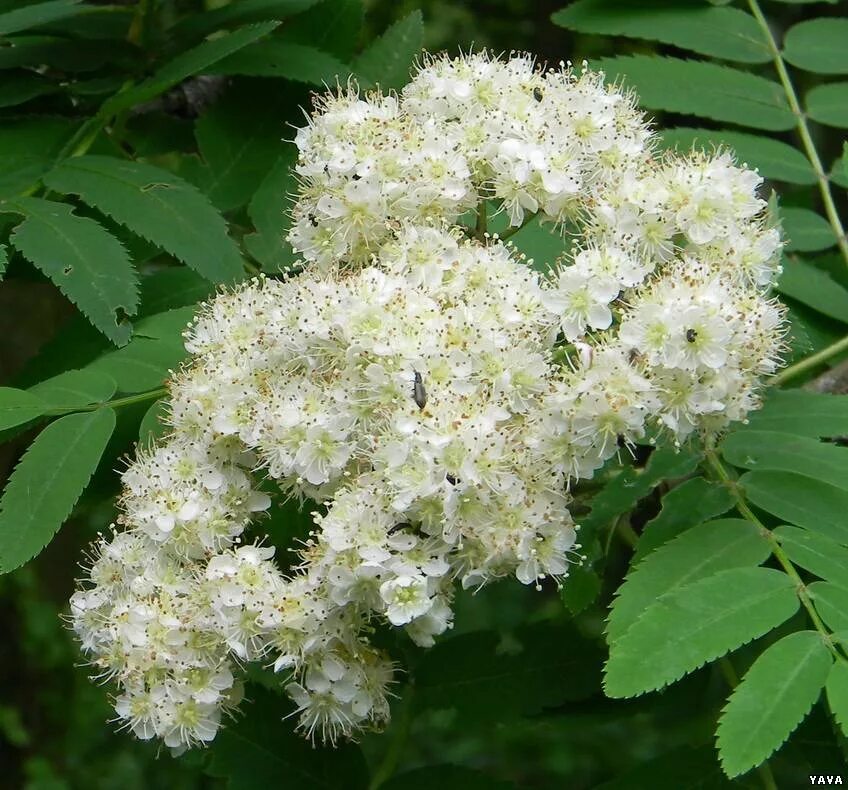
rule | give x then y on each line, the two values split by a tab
312	220
418	391
399	526
451	479
537	94
691	335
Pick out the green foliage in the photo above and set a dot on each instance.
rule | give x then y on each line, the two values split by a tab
722	32
818	45
156	205
776	693
48	481
87	263
696	623
145	160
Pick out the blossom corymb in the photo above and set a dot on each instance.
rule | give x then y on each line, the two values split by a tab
432	395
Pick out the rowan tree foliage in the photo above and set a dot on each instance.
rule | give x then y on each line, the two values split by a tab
527	374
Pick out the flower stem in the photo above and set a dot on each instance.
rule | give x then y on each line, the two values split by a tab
480	229
803	130
115	403
511	231
811	361
386	769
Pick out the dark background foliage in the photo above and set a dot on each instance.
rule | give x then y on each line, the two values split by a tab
513	697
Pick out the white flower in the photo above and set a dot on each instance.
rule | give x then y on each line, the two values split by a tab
406	598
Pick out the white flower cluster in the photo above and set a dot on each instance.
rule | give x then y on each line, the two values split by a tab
432	393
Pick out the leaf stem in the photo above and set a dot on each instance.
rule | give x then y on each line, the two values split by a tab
115	403
387	767
776	549
803	130
811	361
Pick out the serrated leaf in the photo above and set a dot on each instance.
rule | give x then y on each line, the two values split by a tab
839	170
800	500
696	554
815	553
74	389
86	263
813	287
269	210
831	602
805	413
48	481
153	425
773	698
275	57
689	504
726	33
631	485
30	16
581	588
144	364
445	777
332	26
543	664
773	158
237	154
697	624
818	45
837	694
276	755
828	104
19	406
196	60
705	89
167	325
805	230
156	205
786	452
387	60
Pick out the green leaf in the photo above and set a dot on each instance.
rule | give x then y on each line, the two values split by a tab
237	153
839	170
815	553
631	485
581	588
773	158
818	45
696	554
786	452
86	263
837	694
797	411
170	288
196	60
275	57
828	104
168	325
261	750
332	26
696	624
19	87
813	287
144	364
685	506
196	26
445	777
153	425
74	389
157	206
4	260
269	209
831	602
48	481
30	16
805	230
773	698
726	33
541	665
704	89
19	406
800	500
387	60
